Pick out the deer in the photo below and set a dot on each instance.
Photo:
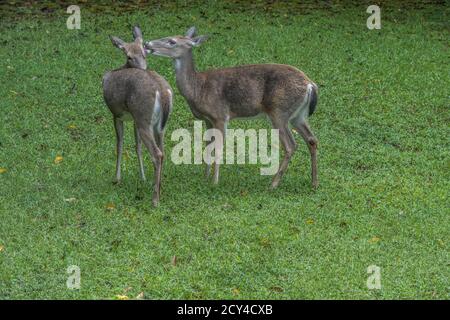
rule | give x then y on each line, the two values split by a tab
280	92
133	93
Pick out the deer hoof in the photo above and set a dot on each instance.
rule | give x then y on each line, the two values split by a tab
275	183
155	200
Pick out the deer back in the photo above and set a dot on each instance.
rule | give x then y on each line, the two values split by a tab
133	92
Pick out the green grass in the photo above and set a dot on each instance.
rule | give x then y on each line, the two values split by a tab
383	125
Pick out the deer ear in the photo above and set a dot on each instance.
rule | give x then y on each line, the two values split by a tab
137	33
198	40
117	42
191	32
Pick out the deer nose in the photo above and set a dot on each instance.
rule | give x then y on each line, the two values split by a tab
149	44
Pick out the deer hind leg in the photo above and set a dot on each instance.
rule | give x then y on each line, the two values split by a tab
118	126
218	150
139	152
208	163
158	133
289	146
302	127
148	138
159	138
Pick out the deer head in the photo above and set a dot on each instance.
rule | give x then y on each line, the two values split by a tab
176	46
134	51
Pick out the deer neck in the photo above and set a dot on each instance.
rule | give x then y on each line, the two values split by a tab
186	76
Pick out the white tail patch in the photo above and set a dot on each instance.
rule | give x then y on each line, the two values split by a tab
303	109
156	116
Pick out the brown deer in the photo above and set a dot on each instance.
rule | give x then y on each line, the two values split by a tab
281	92
133	93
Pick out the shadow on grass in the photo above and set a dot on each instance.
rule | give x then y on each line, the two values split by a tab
185	186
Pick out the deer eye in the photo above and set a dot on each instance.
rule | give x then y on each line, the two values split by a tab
171	42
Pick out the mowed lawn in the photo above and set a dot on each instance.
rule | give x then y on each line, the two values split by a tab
383	125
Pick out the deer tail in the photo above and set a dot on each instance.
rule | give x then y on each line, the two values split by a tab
312	98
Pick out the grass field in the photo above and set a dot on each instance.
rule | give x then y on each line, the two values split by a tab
382	121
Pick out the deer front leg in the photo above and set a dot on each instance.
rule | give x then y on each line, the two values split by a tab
118	126
139	152
157	159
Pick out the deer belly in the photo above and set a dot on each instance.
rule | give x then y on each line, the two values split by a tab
248	112
260	115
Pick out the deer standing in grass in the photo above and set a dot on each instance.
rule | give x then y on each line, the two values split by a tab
133	93
281	92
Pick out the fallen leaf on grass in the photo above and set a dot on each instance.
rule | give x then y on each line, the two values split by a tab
277	289
174	261
310	221
1	248
58	159
71	126
3	170
265	242
235	291
122	297
70	199
140	296
110	206
374	240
